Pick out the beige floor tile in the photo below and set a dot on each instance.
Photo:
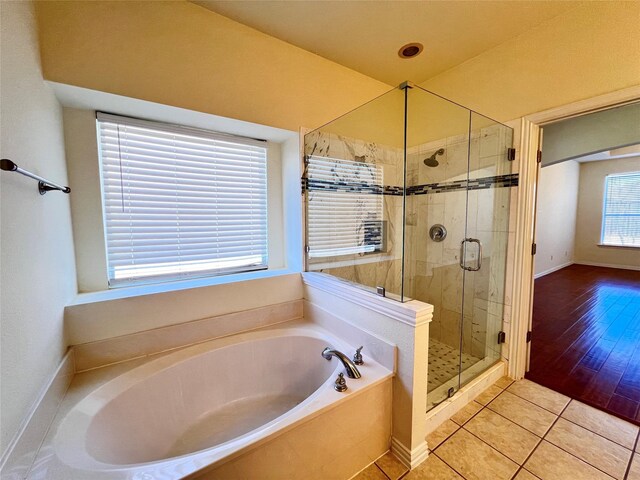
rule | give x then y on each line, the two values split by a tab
432	469
590	447
474	459
524	413
504	382
634	471
370	473
505	436
391	466
542	396
608	426
440	434
525	475
469	410
489	394
549	462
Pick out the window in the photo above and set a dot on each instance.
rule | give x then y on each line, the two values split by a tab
180	202
621	211
345	207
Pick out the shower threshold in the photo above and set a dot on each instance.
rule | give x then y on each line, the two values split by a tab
443	367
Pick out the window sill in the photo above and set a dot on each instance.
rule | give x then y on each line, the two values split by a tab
607	245
139	290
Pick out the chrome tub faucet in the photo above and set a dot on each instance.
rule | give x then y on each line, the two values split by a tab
351	369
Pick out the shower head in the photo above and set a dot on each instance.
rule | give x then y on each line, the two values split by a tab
431	161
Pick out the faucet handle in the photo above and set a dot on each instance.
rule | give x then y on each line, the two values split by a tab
357	358
340	384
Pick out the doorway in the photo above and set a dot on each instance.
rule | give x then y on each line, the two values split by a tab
585	322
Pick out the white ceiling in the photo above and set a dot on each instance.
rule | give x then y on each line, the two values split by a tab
366	35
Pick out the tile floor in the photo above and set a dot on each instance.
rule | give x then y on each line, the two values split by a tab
444	363
523	431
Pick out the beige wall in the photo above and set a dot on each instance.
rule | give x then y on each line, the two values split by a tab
556	218
589	222
588	51
177	53
38	271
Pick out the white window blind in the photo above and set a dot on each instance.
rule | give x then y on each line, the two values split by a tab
344	207
621	212
180	202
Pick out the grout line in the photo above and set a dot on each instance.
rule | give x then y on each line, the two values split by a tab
445	462
633	453
446	438
512	421
482	407
567	420
580	459
383	472
599	434
503	454
559	447
461	427
540	442
558	414
541	439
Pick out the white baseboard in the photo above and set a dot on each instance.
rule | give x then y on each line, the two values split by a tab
409	458
553	269
608	265
19	456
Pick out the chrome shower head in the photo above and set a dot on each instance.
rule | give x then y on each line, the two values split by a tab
431	161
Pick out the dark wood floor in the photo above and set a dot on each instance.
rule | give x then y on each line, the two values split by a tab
586	337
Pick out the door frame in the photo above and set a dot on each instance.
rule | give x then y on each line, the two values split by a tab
527	137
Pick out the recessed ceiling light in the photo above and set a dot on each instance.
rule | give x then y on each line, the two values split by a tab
410	50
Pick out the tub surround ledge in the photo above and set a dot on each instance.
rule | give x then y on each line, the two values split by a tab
150	342
413	312
21	454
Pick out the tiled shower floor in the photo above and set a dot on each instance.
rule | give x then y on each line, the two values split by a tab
443	363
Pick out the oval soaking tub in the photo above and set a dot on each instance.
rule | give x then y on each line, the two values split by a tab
192	408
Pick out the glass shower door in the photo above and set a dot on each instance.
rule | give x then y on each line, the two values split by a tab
437	171
483	250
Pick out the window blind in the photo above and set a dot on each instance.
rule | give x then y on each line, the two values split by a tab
621	212
180	202
344	207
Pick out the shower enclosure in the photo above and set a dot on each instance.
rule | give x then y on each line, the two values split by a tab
408	196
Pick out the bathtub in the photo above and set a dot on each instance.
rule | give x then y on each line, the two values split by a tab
188	412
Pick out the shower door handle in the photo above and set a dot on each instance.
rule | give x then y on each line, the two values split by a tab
463	252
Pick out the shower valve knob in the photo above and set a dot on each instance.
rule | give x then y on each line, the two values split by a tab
357	358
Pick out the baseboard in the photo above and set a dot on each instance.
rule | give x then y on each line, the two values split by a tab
409	458
607	265
553	269
17	460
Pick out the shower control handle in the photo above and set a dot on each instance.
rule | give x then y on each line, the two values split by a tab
463	252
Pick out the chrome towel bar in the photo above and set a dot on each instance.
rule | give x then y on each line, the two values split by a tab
44	186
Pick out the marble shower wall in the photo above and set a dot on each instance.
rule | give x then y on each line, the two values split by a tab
432	270
371	269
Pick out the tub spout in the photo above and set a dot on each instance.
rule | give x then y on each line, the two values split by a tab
352	370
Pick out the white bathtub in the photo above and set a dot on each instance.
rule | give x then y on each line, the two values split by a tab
203	405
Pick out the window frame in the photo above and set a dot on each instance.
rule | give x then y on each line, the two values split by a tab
605	192
167	127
